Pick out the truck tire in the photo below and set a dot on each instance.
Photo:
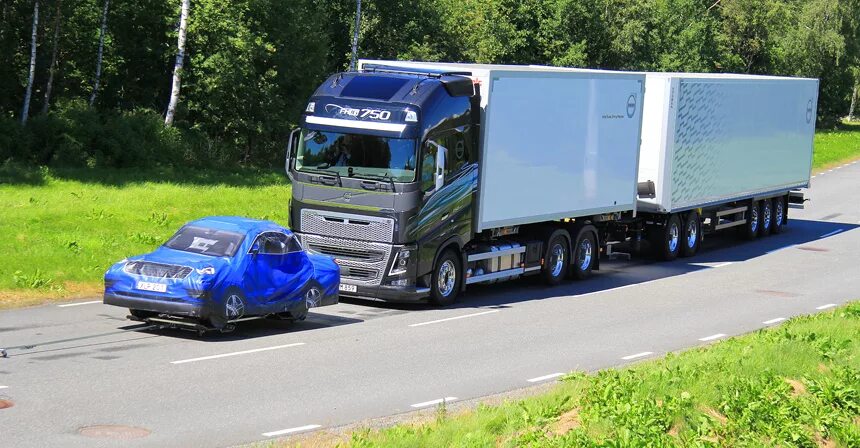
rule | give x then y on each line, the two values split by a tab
585	253
557	258
766	214
692	234
780	215
749	231
446	280
667	241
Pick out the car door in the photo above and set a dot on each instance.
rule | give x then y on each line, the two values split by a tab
276	269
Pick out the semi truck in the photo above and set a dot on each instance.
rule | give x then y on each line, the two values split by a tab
423	178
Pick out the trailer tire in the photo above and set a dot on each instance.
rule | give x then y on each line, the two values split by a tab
446	280
668	239
766	214
780	215
749	231
692	234
557	258
585	254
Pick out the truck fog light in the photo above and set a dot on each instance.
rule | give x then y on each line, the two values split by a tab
401	262
401	282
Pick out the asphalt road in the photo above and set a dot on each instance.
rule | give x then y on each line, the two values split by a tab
82	364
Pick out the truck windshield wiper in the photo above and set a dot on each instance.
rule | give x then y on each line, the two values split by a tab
321	170
382	178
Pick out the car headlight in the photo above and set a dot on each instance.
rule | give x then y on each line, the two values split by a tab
208	270
401	261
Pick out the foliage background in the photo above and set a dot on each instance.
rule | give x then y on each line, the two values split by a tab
252	64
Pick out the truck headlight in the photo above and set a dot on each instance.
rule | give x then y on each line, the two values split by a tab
401	261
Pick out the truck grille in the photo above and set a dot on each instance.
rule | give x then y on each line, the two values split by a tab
150	269
345	225
361	263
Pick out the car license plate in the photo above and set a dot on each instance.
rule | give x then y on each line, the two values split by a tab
154	287
347	288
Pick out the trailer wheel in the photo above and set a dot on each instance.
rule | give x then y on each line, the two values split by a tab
749	230
585	254
766	214
692	234
780	215
557	258
668	239
447	278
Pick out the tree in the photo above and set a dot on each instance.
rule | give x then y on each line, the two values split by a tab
29	92
354	59
98	77
58	14
177	68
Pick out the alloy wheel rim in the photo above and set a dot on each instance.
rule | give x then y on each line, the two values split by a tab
673	237
558	259
446	278
235	307
766	217
584	254
692	234
779	212
754	219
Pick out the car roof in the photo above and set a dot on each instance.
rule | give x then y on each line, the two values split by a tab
236	224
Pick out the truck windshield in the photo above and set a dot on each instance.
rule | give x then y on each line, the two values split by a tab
356	155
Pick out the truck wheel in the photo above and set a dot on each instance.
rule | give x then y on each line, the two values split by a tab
766	214
447	279
692	234
556	259
780	217
669	239
585	254
750	230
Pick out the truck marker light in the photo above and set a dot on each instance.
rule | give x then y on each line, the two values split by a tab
411	116
311	107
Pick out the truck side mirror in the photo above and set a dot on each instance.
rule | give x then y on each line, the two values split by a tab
441	153
292	145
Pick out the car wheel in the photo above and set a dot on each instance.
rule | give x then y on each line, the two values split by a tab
557	258
447	278
231	307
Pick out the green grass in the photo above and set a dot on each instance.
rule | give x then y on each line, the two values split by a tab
836	146
797	385
62	228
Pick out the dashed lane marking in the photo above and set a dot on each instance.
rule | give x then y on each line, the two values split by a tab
243	352
774	321
545	377
290	430
454	318
66	305
424	404
831	233
637	355
712	337
824	307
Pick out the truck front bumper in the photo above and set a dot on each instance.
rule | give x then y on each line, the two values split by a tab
387	293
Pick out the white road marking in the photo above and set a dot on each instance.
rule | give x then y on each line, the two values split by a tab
824	307
545	377
831	233
4	387
244	352
79	303
773	321
781	248
454	318
432	402
712	337
723	264
290	430
637	355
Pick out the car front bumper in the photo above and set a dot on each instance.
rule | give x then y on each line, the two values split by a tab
157	305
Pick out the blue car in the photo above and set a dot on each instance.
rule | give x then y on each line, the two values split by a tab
218	270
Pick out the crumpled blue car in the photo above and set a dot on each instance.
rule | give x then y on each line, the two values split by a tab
217	271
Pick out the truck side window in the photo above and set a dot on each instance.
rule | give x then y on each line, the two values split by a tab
458	152
428	167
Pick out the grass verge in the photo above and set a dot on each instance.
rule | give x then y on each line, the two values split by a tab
833	147
61	229
797	385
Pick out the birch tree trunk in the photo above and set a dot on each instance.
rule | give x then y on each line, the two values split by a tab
177	68
53	67
98	77
354	57
853	104
29	93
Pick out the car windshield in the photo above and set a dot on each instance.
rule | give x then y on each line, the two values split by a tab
356	155
200	240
